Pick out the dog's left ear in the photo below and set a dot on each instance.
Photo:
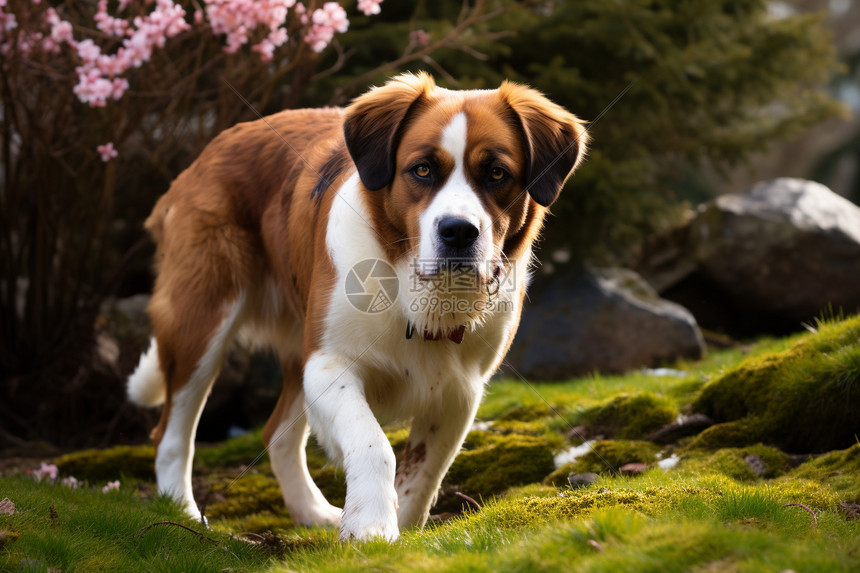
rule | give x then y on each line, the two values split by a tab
554	139
374	124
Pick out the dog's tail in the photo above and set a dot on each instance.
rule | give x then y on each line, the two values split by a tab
146	386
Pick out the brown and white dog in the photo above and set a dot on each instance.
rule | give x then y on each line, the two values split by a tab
329	235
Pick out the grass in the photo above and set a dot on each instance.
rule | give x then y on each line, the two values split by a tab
749	506
95	531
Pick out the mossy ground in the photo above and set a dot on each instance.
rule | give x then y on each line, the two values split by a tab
769	487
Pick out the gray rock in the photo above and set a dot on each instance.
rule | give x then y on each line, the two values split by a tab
686	426
781	253
756	464
606	320
581	480
788	246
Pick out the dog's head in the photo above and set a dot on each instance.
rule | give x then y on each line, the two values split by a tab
459	181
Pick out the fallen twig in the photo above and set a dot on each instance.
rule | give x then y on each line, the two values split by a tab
812	513
200	536
469	499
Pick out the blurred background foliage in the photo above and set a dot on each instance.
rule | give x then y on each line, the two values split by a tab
701	84
679	93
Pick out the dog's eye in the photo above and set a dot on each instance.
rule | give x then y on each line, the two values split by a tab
497	174
422	171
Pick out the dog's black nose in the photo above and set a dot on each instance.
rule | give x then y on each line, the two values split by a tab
457	233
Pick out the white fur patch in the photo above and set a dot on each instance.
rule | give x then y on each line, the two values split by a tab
146	386
456	198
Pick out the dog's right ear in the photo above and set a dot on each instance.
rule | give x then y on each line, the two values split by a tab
374	124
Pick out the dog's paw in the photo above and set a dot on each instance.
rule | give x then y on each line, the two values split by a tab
369	524
365	532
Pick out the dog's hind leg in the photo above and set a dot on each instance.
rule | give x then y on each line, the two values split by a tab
190	352
285	436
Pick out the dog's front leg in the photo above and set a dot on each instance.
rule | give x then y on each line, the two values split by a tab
341	418
434	440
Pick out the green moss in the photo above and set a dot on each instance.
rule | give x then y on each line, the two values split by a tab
236	451
255	523
525	413
731	462
814	494
331	481
803	399
522	512
605	457
834	463
398	438
252	493
109	464
629	416
728	435
499	463
839	470
531	490
506	427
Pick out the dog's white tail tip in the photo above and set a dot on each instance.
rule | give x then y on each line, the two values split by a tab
146	386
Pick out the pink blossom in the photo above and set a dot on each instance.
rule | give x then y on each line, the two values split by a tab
93	89
61	33
111	486
325	22
71	482
119	85
88	51
419	38
369	7
108	24
107	152
97	76
240	19
49	471
8	22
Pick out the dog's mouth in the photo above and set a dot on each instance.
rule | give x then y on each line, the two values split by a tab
444	273
450	298
455	335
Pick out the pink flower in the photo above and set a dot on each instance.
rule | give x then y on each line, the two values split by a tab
49	471
419	38
71	482
325	22
240	19
119	85
107	152
88	51
369	7
111	486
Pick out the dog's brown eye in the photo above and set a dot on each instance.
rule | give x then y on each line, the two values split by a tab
497	173
422	171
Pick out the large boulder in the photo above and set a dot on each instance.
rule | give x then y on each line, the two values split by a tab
606	320
763	260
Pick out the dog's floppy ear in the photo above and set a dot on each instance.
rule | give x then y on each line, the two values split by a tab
554	140
374	124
